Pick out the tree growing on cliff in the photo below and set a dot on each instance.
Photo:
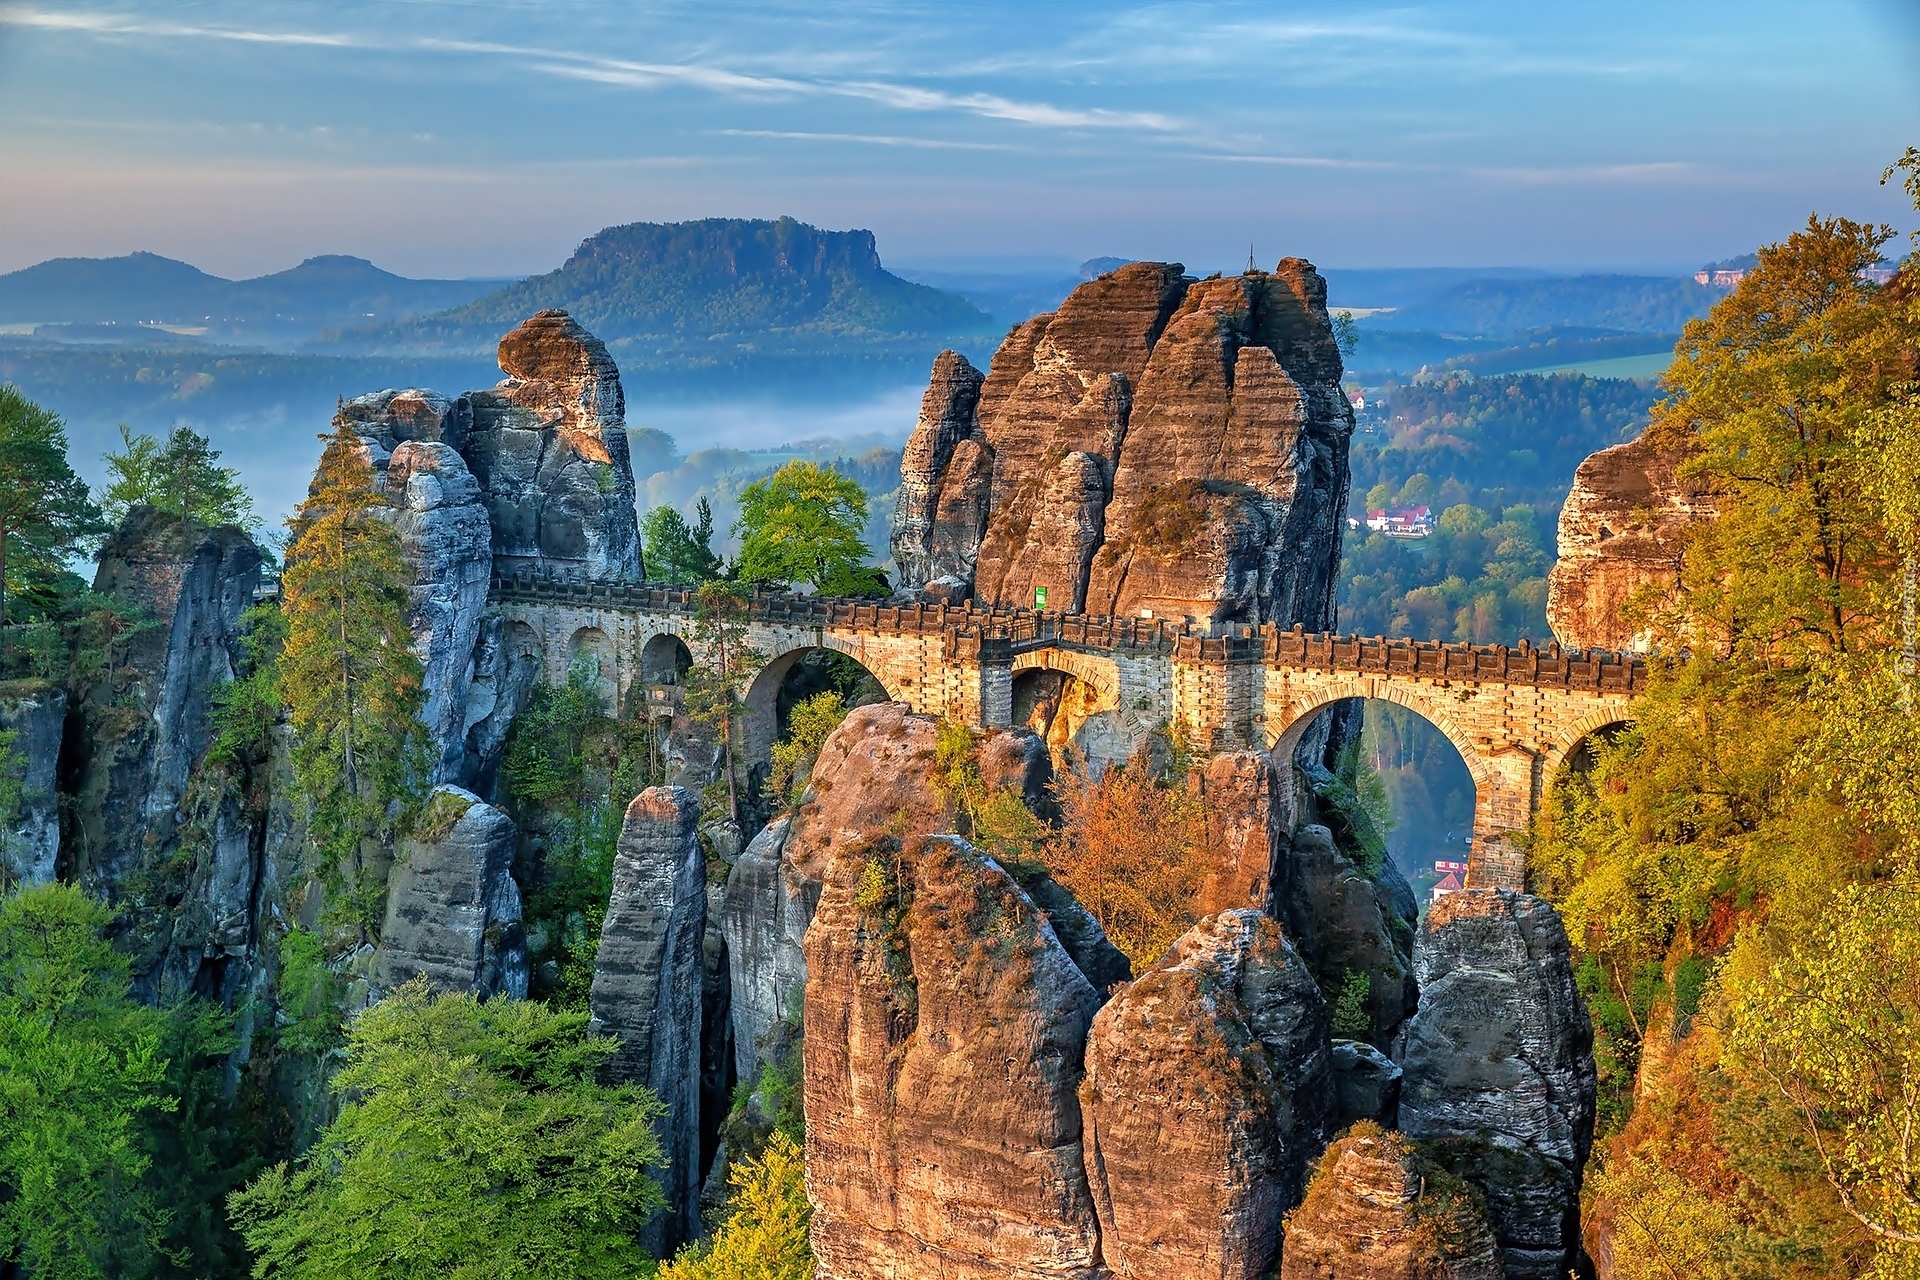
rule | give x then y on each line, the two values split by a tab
472	1140
764	1236
183	478
347	670
676	551
805	523
712	685
46	513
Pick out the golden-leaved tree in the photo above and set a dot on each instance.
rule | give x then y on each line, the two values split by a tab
351	682
1739	870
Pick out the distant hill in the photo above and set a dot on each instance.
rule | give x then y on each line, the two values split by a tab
1012	296
714	292
145	289
1617	303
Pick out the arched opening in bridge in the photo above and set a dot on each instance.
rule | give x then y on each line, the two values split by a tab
591	650
793	678
664	660
1077	718
1407	780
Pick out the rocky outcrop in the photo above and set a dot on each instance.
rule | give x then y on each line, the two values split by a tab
147	725
1378	1210
874	775
1353	925
1246	831
1499	1069
945	1026
1208	1089
1366	1084
549	447
647	986
446	538
453	909
1158	445
1622	529
30	836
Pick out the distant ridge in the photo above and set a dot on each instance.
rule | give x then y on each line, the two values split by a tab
713	291
145	289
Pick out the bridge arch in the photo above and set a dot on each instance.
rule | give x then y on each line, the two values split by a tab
763	699
1073	701
1301	711
1580	733
592	644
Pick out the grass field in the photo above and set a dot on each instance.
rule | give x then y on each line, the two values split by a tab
1651	366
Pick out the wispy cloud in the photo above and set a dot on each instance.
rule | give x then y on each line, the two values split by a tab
872	139
627	73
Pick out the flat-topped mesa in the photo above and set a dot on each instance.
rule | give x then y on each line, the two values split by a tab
1160	446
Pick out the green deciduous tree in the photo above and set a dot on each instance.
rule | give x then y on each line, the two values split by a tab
473	1142
805	523
676	551
46	513
183	478
82	1075
347	670
807	729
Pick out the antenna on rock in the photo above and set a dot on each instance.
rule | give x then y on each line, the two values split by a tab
1251	267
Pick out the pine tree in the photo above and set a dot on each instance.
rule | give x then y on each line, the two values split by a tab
351	682
45	511
182	478
713	696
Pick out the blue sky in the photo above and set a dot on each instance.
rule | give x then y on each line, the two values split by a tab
487	137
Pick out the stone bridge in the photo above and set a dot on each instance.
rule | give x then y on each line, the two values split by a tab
1515	714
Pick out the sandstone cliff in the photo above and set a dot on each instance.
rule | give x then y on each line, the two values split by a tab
647	985
1499	1069
945	1029
1207	1091
1158	445
453	909
147	725
1623	528
30	842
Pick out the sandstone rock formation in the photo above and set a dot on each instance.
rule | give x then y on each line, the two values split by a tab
444	531
1208	1089
1159	444
1499	1069
453	909
945	1029
147	727
549	447
874	775
647	985
30	843
1366	1084
1347	922
1246	831
1377	1210
1623	527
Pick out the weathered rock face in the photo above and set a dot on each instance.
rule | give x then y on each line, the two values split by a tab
1208	1089
945	1025
549	447
1245	831
444	531
1499	1068
1346	922
146	733
647	985
874	775
1378	1211
1366	1083
30	844
1623	527
453	909
1158	444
